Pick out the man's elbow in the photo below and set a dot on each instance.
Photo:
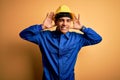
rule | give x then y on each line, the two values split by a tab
98	40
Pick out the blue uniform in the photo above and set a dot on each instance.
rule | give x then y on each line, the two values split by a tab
59	51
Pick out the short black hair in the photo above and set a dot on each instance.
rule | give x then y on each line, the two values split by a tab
63	14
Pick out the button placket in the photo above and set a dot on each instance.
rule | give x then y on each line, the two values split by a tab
60	56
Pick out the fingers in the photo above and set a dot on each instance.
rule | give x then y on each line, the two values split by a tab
47	15
76	22
78	16
50	15
74	17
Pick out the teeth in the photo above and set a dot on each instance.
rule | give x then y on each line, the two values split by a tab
63	28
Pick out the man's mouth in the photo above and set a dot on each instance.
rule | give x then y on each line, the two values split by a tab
63	28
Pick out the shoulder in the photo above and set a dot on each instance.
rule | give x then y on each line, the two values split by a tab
75	34
45	33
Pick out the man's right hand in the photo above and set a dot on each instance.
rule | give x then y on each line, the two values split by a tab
47	23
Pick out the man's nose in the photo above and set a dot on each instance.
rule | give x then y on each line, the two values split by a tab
64	22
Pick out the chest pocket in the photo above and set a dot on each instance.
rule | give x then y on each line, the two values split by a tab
68	51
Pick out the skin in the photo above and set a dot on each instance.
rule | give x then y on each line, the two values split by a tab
63	24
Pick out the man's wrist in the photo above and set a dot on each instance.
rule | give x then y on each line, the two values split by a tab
82	28
43	27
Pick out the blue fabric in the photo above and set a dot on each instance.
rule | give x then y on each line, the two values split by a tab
59	51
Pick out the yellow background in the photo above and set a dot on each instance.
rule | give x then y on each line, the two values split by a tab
21	60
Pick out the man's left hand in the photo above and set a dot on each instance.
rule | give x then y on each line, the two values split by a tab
76	22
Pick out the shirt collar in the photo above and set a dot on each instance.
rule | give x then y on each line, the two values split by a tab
57	34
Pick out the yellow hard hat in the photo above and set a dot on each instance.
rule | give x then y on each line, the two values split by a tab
63	8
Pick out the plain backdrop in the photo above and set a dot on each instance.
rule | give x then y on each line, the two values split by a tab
21	60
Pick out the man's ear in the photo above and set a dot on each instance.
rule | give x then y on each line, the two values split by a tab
55	22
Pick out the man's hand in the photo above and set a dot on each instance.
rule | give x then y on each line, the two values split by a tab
47	23
76	22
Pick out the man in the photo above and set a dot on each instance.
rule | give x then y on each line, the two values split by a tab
60	47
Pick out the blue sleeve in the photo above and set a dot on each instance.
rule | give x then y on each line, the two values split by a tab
31	33
90	37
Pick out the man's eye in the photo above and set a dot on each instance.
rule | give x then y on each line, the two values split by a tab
68	20
60	20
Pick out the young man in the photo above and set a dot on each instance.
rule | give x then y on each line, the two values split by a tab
60	47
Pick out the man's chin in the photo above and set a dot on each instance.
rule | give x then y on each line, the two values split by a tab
64	32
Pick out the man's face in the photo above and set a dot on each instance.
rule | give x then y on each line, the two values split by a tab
63	24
